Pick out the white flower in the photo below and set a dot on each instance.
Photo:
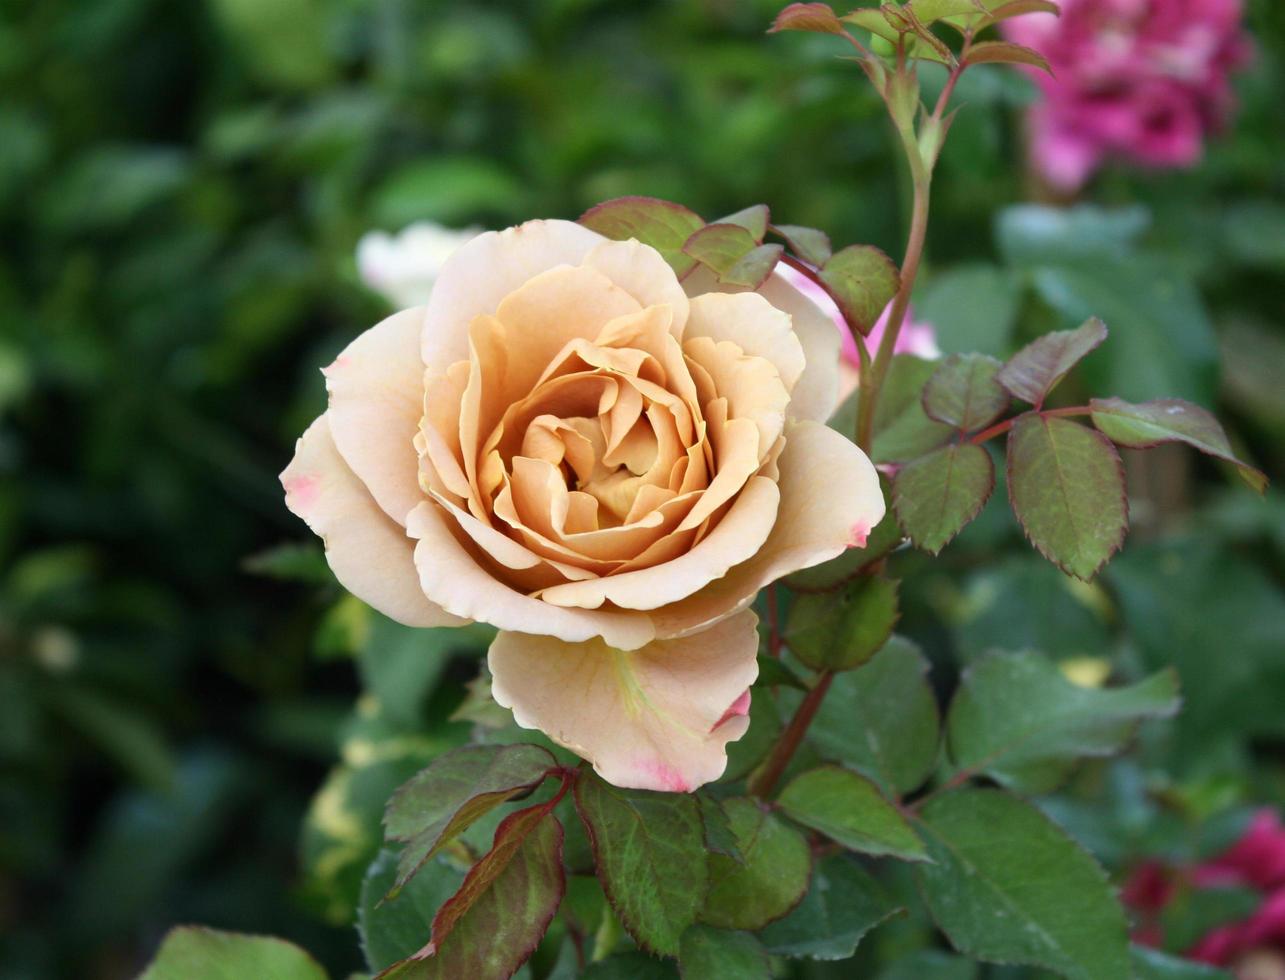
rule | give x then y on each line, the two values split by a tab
403	267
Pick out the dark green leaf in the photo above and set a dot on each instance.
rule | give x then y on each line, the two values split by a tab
663	225
1066	485
863	281
1168	420
731	251
191	952
775	673
842	630
963	392
752	748
1016	718
630	966
1006	52
499	915
396	928
650	855
719	838
937	495
902	431
843	904
1009	886
809	244
815	17
1036	369
717	954
457	789
1151	964
832	574
930	964
849	810
882	719
772	879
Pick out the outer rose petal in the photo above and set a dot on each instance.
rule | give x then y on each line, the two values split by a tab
655	718
830	501
484	271
376	400
452	577
370	555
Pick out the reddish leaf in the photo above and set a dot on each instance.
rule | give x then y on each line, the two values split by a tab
663	225
1005	52
863	281
730	250
1036	369
753	219
963	392
1016	8
1168	420
815	17
458	788
809	244
1066	485
494	922
936	496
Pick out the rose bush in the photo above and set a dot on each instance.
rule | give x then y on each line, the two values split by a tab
604	463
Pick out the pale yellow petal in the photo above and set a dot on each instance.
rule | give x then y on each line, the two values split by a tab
641	272
376	400
656	718
754	325
369	553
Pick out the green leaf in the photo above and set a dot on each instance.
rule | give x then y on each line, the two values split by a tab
1008	886
830	575
401	665
882	719
650	854
630	966
928	11
842	630
194	953
775	673
396	928
1007	53
875	22
731	251
863	280
815	17
754	219
745	754
849	810
457	789
719	837
294	562
1037	234
717	954
938	494
1151	964
772	879
963	392
809	244
1016	8
930	964
902	431
1168	420
973	308
1066	485
663	225
501	912
1036	369
843	904
1016	718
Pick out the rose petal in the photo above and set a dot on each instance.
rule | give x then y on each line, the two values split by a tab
641	271
481	273
754	325
829	497
376	401
658	718
370	554
451	575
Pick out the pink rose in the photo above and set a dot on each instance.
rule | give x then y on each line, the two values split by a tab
1255	948
606	465
1139	80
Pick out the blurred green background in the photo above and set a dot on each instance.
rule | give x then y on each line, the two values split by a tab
182	185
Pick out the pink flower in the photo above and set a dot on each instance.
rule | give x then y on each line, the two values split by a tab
1253	949
1138	80
919	339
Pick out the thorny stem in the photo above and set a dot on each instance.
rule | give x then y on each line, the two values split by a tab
766	779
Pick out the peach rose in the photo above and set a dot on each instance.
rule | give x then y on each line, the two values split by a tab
569	445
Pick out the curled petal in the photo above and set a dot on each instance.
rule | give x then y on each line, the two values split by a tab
376	400
370	555
657	718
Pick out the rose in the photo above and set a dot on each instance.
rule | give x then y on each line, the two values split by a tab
403	267
1143	80
564	445
1255	947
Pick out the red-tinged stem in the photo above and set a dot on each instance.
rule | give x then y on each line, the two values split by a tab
773	622
764	782
999	428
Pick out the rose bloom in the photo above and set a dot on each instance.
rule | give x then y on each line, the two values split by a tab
919	339
606	465
1141	80
1253	949
403	267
